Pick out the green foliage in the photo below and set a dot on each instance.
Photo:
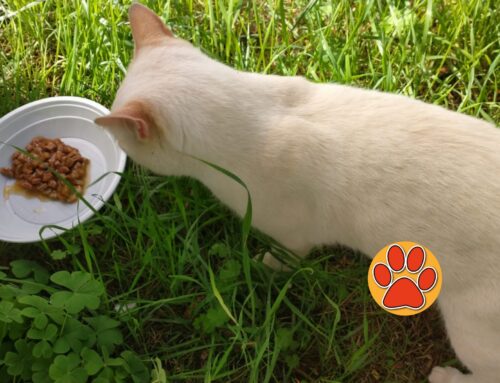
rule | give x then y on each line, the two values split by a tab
84	291
57	335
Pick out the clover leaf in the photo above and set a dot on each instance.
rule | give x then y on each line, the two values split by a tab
10	291
41	307
40	369
43	349
293	361
85	291
284	339
9	313
19	363
215	317
135	367
48	333
92	361
40	320
112	375
23	268
106	330
219	250
15	330
74	335
113	370
67	369
57	255
230	271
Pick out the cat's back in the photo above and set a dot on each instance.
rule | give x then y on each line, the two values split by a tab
420	165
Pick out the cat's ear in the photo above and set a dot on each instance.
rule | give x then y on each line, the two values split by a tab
131	116
147	27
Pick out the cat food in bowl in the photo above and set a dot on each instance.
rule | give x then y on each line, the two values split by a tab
49	163
49	210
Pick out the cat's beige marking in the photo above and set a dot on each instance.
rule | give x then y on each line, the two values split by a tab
135	115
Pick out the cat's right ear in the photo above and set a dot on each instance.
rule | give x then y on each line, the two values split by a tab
147	27
131	116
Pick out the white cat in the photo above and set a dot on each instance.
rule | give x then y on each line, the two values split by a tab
328	164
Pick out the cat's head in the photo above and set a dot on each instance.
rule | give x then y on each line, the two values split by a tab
150	111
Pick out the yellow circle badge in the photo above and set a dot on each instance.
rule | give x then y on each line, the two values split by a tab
405	278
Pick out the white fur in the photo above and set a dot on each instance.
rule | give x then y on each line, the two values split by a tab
329	164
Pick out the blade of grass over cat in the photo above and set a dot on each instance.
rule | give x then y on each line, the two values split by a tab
246	226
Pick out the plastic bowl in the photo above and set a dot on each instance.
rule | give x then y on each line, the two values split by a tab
71	119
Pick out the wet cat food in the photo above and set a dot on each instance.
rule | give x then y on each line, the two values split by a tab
35	173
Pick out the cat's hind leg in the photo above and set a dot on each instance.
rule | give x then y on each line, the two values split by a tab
472	324
274	263
452	375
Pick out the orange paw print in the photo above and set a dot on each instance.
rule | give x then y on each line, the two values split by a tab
405	282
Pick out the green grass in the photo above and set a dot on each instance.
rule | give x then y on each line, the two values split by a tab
168	246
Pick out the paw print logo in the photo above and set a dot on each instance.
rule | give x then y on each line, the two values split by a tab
405	278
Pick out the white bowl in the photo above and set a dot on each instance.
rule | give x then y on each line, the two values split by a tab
72	120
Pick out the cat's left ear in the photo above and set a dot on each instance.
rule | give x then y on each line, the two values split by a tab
131	116
147	27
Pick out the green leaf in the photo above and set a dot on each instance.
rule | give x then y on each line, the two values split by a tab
41	377
85	291
93	229
42	349
230	271
2	275
67	369
57	255
43	306
73	249
31	287
292	361
109	374
92	361
111	362
48	333
106	330
62	346
16	330
75	336
105	376
30	312
219	250
19	362
5	346
9	291
215	317
9	313
284	338
135	367
40	320
23	268
40	369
